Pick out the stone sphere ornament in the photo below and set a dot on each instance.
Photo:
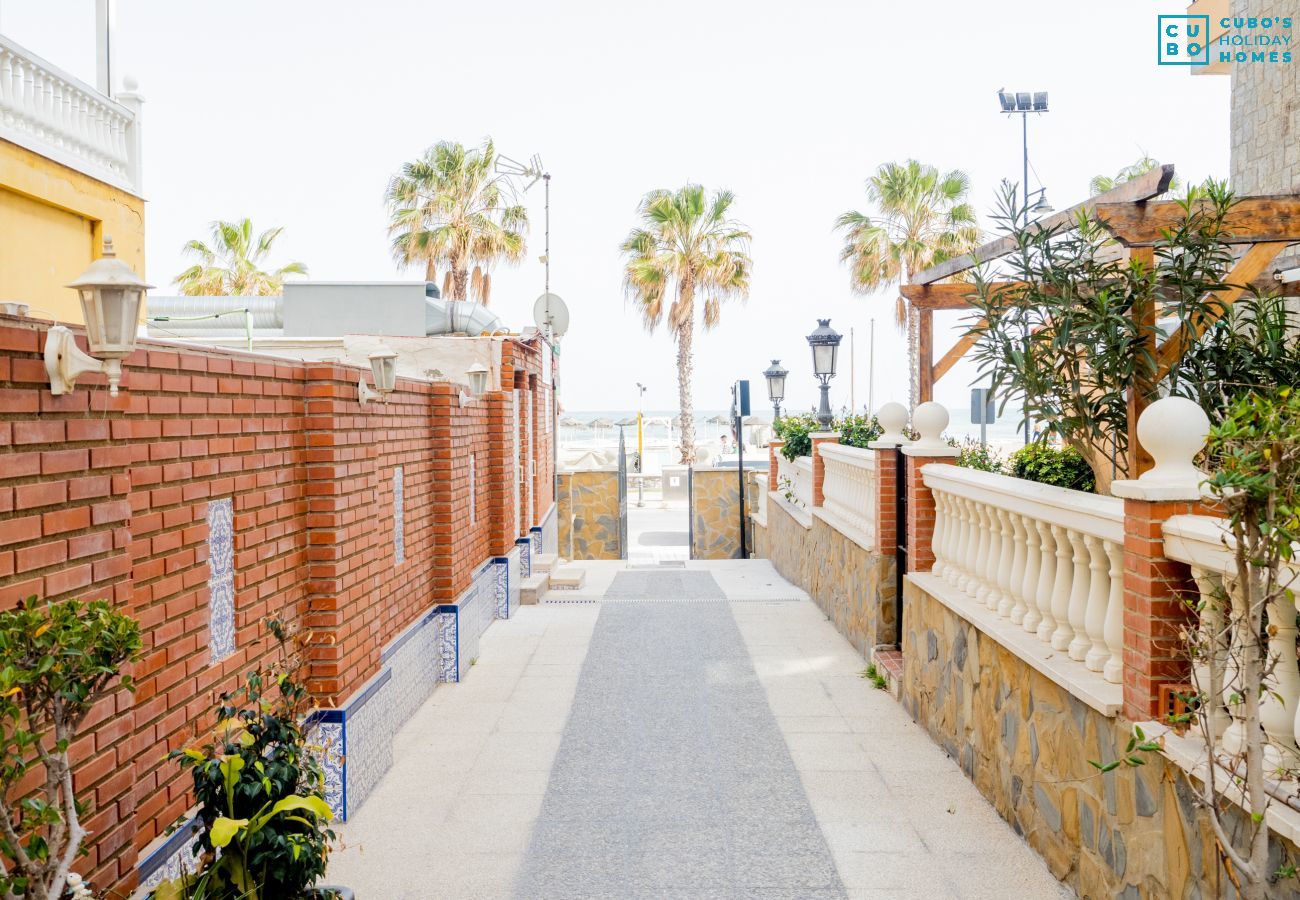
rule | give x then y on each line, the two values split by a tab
892	417
930	419
1173	430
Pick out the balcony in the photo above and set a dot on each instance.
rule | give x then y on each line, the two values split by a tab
49	112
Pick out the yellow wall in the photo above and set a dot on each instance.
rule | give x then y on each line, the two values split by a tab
52	222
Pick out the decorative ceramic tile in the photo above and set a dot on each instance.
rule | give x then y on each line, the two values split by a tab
535	535
501	571
516	575
399	515
525	545
221	578
330	750
170	859
446	624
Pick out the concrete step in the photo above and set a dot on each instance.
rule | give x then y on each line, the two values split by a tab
545	562
568	578
532	588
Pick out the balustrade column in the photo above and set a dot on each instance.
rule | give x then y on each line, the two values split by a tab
1046	582
987	593
1004	599
1063	633
1212	651
1278	699
943	522
1018	606
1029	586
1080	643
1113	627
1098	594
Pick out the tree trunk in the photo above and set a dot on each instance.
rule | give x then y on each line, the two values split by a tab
685	365
913	356
460	284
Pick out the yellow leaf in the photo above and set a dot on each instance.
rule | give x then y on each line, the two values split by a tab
40	631
224	830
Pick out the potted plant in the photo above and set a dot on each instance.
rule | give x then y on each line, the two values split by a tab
263	824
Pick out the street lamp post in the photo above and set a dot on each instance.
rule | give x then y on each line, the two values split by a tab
775	376
1022	103
825	344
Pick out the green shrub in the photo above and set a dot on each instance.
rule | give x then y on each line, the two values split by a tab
1046	464
983	458
858	430
260	791
797	433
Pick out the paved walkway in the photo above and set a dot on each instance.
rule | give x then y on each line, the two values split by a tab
699	732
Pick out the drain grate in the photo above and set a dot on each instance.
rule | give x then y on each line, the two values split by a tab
576	600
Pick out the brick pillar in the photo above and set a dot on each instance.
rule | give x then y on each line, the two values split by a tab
886	513
1173	431
920	504
1155	613
773	461
819	465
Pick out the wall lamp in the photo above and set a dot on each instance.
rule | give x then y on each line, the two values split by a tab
383	368
478	382
112	296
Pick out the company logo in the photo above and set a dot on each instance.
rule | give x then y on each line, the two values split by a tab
1183	40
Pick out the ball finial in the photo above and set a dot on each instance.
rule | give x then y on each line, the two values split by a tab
930	419
893	419
1173	430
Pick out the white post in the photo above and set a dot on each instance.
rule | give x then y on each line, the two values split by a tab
132	100
104	70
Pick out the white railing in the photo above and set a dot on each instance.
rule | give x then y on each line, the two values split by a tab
794	480
51	113
1048	559
1205	544
849	490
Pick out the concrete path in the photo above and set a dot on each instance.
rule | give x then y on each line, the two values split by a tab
646	738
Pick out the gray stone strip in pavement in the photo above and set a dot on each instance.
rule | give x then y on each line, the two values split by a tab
672	777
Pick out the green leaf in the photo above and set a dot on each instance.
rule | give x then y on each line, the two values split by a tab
224	830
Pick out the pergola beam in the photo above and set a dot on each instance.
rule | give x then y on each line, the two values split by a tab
948	296
1253	220
1249	267
1144	187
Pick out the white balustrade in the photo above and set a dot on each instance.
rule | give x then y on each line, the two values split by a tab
849	490
794	481
1048	559
1205	544
51	113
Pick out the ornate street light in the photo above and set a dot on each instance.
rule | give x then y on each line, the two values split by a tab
775	376
825	343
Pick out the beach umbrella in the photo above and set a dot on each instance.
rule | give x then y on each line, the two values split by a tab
571	422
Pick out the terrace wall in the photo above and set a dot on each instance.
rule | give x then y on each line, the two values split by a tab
111	497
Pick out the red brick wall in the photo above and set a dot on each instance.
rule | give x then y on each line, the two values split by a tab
107	497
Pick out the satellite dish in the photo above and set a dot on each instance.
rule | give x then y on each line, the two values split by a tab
551	314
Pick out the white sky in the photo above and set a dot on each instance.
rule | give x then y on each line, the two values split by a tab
295	113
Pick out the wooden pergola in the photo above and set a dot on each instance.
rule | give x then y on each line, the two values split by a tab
1267	224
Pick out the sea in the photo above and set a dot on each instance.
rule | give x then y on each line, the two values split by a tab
584	431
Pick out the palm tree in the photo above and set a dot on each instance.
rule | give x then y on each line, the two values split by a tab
232	265
922	218
685	249
1102	183
449	209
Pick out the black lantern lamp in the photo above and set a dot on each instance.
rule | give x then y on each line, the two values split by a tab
775	376
825	343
